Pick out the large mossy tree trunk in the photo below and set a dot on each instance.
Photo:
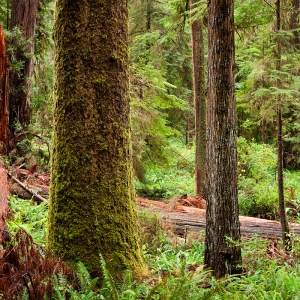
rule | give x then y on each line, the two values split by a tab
199	101
222	255
92	206
23	15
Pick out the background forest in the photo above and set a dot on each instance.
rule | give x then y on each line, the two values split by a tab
161	88
163	137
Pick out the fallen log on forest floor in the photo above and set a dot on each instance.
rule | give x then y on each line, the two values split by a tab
37	197
190	219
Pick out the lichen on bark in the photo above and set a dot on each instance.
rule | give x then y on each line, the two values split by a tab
92	205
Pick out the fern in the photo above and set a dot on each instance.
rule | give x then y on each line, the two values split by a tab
84	276
86	286
60	287
108	280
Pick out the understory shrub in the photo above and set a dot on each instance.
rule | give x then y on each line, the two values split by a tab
257	179
174	178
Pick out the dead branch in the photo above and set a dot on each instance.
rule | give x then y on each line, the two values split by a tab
35	194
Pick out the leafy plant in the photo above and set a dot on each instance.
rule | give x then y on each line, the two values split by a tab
29	216
85	290
174	178
257	184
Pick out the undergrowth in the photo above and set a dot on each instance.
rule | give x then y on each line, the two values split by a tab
258	195
29	216
257	179
174	178
176	267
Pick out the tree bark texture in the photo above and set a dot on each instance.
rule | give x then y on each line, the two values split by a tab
92	205
281	201
23	14
222	223
4	96
295	23
199	101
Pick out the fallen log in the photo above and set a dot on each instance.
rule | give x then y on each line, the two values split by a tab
190	219
35	194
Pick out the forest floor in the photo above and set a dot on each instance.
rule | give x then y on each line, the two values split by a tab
185	214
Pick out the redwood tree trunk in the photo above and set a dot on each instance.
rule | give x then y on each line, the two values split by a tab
199	101
23	15
4	96
222	222
92	205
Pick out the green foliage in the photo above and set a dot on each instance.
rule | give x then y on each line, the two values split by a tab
257	74
174	178
258	194
15	41
153	237
161	80
176	271
29	216
256	161
85	290
257	179
42	90
251	13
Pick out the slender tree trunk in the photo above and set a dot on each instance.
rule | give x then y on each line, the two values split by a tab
190	121
295	23
222	255
23	14
281	202
92	205
4	95
199	101
148	29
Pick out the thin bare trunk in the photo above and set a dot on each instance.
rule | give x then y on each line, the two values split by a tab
199	101
294	22
281	202
4	94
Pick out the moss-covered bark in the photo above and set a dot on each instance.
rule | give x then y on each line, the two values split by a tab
92	206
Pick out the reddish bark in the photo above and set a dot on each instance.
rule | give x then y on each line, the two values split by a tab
23	14
199	100
4	192
222	220
4	96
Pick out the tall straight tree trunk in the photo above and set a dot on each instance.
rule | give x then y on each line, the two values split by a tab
222	255
23	14
281	202
4	95
92	206
199	101
295	22
148	29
